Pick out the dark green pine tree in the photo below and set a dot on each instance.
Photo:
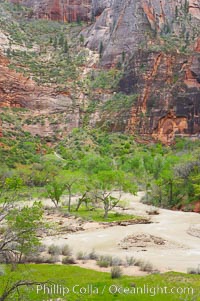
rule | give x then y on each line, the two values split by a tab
65	47
61	41
101	49
55	43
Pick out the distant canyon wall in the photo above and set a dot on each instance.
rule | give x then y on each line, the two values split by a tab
59	10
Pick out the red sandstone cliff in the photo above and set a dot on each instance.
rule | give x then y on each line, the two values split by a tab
59	10
19	91
160	40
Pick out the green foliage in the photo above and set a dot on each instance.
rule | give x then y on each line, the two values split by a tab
45	53
66	276
116	272
106	79
13	183
55	190
92	159
23	225
101	48
97	215
119	102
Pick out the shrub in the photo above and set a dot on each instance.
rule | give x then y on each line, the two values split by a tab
54	250
130	261
41	248
92	255
116	261
68	260
82	256
32	258
2	230
138	262
195	271
146	267
66	251
106	261
116	272
103	263
51	259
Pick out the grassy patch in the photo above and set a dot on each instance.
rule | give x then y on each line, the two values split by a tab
119	102
97	215
96	284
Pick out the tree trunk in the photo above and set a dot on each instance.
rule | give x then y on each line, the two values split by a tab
69	203
106	209
105	214
80	201
55	203
78	205
170	192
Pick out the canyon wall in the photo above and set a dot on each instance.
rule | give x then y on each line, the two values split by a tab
160	43
41	103
157	43
58	10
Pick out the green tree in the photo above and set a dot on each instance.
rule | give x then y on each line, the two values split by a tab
55	43
65	47
20	237
81	39
61	40
109	183
72	181
101	48
9	191
55	190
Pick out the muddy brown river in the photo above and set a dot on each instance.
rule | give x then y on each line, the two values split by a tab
170	242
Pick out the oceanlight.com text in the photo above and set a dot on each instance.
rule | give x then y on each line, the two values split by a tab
92	289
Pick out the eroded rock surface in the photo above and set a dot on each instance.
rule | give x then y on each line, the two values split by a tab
57	10
158	44
164	75
18	91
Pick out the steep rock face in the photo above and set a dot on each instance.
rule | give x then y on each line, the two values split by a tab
169	94
157	42
119	26
161	67
66	10
122	26
18	91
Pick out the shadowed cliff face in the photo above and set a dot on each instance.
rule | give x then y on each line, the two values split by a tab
169	94
59	10
161	45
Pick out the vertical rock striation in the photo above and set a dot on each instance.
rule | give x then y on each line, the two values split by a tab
59	10
160	40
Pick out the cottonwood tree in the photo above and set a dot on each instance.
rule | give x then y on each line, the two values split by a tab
9	189
86	189
67	181
72	181
55	190
108	188
18	239
20	236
